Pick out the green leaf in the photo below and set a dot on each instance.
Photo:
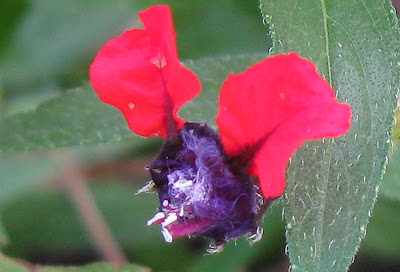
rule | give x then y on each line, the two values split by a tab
80	118
10	265
391	182
76	118
333	184
96	267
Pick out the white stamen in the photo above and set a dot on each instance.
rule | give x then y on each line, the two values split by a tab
181	212
156	217
184	184
165	203
149	187
167	235
171	218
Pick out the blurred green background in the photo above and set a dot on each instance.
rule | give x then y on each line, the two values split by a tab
46	47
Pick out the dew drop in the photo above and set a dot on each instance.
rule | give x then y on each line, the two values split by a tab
131	106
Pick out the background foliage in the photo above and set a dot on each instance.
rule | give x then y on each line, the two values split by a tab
47	108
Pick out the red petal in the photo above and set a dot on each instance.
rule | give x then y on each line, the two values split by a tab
140	74
271	109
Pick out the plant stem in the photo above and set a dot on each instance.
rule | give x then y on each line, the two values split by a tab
90	214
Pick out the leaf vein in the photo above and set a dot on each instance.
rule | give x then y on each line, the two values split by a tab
327	50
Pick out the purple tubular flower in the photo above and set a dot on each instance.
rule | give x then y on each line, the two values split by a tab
200	194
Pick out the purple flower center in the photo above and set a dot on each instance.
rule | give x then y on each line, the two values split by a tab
200	194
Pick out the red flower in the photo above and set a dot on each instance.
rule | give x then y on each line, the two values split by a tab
265	114
140	74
